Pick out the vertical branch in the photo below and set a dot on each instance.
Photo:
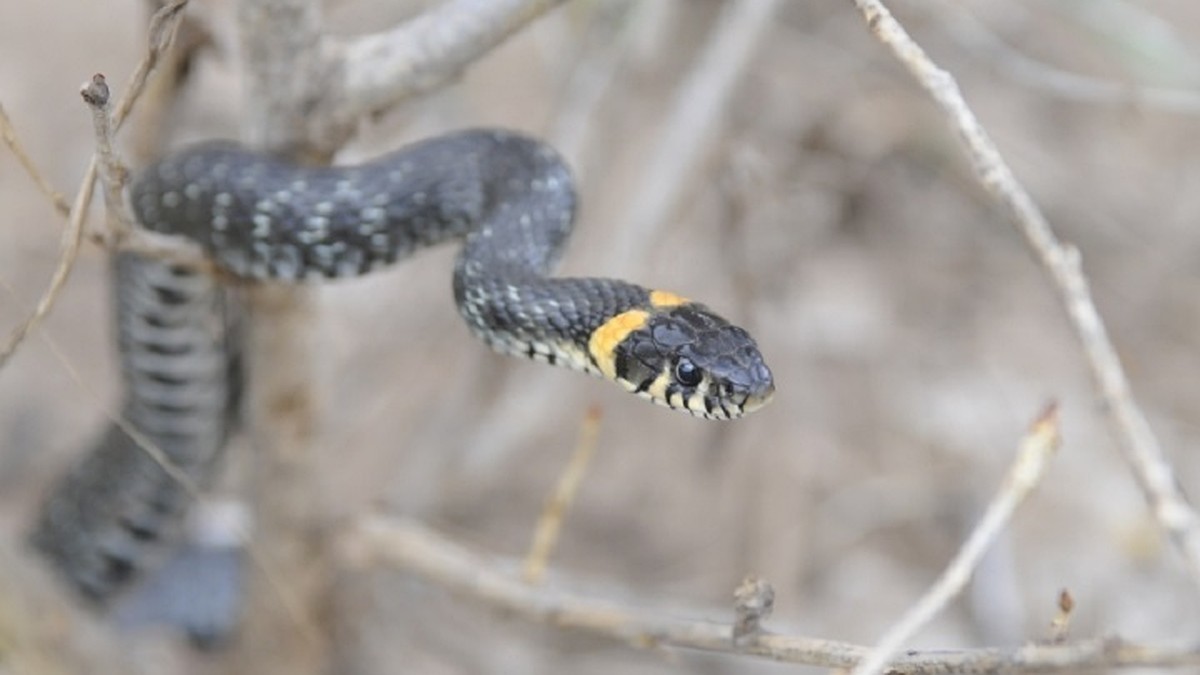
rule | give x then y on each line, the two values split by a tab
279	39
689	132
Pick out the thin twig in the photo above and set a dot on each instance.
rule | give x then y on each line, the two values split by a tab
1060	626
9	133
111	171
1138	442
66	262
409	546
1033	457
545	534
163	26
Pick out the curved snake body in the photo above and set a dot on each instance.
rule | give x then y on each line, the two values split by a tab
509	197
110	515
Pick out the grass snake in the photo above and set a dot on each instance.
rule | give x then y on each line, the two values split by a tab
509	197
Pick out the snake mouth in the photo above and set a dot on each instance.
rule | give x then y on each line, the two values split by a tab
728	409
757	401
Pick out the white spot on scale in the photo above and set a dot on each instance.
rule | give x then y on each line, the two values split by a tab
373	214
170	199
262	225
223	199
262	251
220	223
258	270
192	191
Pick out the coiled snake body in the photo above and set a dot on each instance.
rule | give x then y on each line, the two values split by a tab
511	199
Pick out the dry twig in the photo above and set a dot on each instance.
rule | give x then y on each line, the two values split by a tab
409	546
1033	457
13	141
1060	626
753	602
549	524
1062	262
162	31
111	172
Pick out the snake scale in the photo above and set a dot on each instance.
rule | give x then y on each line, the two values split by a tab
511	200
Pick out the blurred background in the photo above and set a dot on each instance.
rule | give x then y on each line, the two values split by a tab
830	212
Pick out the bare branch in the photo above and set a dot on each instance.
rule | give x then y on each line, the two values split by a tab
1062	262
753	601
549	524
164	23
1033	457
69	249
1060	626
409	546
110	169
9	134
375	72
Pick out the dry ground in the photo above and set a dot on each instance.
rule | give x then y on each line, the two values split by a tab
911	334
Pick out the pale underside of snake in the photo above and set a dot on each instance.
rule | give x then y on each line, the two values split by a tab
509	197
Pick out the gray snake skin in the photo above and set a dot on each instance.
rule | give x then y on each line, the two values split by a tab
114	511
510	198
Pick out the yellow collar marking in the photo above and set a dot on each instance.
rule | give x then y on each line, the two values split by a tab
604	340
661	299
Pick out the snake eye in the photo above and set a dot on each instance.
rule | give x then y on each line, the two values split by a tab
687	374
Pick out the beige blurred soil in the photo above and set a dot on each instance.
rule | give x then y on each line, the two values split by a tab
911	333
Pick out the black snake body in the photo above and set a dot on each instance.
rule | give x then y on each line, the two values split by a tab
509	197
178	347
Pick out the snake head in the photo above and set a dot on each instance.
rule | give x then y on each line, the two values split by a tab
685	356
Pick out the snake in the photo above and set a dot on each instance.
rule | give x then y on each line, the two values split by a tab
508	197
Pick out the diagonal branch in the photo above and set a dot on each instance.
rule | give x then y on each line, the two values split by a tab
407	545
1062	262
373	73
1033	458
